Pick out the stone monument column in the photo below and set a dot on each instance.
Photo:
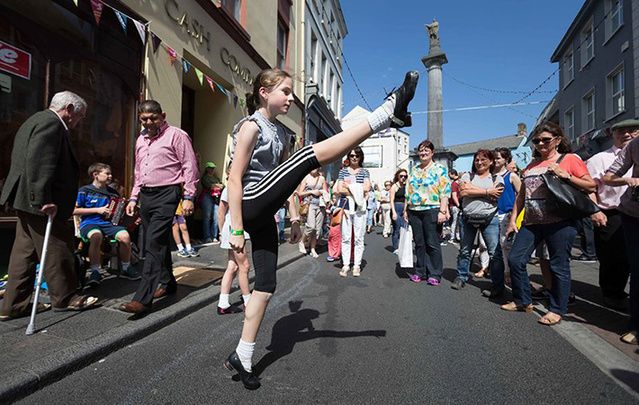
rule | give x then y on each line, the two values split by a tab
433	63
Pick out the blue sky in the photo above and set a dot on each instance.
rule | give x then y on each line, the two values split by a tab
494	44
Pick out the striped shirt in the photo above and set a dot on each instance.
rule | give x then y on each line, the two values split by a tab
346	176
164	160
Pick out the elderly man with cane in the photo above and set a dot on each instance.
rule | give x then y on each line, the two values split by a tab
43	182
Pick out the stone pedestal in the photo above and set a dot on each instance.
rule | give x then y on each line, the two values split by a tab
445	157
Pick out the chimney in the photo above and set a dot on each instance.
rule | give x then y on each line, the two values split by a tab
521	129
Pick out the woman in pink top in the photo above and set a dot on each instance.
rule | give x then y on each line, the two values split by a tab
544	221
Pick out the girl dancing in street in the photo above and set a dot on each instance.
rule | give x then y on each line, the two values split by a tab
259	185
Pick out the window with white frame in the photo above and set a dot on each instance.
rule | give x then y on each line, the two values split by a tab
587	44
616	102
282	44
588	109
314	57
373	156
568	68
569	123
614	16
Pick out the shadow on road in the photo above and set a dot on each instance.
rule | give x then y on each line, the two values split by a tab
627	377
298	327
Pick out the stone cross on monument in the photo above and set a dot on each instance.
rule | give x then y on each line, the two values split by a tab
433	62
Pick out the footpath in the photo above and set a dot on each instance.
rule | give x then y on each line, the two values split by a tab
67	341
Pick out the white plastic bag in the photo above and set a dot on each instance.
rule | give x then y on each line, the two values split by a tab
405	249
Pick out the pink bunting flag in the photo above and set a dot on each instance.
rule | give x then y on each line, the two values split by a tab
172	54
97	6
210	82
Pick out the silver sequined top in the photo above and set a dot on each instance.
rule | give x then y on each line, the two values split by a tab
272	141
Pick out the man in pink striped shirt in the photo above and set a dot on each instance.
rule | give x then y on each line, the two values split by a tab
165	173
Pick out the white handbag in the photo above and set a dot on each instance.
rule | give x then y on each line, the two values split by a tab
405	249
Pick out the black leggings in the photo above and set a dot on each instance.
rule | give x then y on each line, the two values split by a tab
259	205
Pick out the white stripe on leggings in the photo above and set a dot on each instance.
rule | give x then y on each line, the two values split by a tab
293	160
275	176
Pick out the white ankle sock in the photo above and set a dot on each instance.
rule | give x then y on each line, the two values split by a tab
380	118
246	298
95	267
188	246
180	246
244	351
224	301
125	266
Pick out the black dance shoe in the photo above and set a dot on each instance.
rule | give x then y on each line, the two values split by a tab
403	95
250	380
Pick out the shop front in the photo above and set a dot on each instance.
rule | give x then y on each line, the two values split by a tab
65	49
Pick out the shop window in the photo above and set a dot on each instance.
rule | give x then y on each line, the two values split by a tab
233	7
69	52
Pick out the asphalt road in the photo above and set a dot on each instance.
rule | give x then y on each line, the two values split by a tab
374	339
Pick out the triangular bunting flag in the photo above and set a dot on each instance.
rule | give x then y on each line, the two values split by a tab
172	54
199	74
185	65
210	82
228	96
242	102
234	101
220	88
122	19
155	40
76	2
141	30
97	6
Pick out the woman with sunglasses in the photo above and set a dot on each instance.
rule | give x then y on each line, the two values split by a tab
397	200
543	221
354	217
427	193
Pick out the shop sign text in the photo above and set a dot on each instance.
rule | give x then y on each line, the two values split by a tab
231	61
193	27
15	60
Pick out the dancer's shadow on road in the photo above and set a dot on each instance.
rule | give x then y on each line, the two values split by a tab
298	327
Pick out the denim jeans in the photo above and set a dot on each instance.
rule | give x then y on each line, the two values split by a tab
209	217
468	231
399	209
559	238
631	235
427	246
281	213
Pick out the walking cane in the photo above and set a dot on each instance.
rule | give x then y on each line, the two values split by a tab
47	233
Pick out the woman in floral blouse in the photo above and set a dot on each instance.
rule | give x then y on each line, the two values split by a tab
427	192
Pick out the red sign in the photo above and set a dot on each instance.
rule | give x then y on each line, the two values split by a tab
15	60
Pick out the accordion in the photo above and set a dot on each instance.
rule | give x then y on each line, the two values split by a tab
117	208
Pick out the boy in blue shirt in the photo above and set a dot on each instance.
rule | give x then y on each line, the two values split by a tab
92	205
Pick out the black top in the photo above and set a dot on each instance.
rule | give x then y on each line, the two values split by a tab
400	194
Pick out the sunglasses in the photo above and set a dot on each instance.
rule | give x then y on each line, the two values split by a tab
546	139
353	156
403	176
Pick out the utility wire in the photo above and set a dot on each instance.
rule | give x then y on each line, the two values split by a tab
350	72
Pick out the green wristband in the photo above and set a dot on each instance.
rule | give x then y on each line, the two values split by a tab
237	232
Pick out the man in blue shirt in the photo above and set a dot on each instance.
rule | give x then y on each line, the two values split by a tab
92	205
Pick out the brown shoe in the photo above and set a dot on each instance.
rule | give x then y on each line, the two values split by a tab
135	307
512	307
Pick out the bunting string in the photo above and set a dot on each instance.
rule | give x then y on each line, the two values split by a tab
97	6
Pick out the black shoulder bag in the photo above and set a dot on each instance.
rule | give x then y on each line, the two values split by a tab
572	202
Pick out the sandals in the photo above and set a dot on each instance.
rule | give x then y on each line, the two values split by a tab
403	95
549	319
40	308
630	337
78	303
513	307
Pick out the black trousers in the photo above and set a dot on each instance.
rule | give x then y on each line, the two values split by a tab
157	208
611	251
428	248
